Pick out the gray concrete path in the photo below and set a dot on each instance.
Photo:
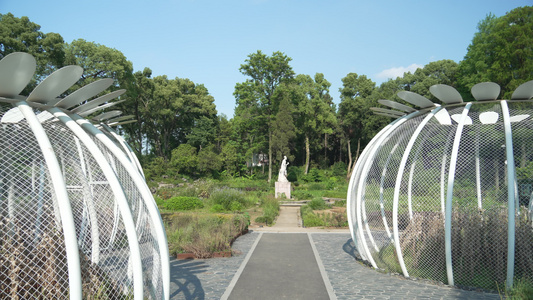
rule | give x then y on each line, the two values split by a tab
283	266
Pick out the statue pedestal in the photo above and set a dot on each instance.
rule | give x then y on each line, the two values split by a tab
283	188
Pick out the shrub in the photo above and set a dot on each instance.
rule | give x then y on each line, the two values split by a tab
217	208
317	204
293	173
312	220
316	186
301	194
226	196
270	207
340	203
236	206
159	201
339	168
183	203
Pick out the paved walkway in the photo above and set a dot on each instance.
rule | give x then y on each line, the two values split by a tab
342	276
283	266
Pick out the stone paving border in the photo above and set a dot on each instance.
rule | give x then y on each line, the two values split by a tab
352	280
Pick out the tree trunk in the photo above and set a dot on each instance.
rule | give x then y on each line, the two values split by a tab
349	159
325	148
356	158
269	156
307	154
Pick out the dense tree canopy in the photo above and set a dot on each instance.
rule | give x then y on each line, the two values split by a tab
278	112
501	51
256	94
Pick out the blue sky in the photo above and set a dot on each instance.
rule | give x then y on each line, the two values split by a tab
207	41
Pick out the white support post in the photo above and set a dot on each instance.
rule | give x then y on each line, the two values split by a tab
381	190
511	194
397	185
120	198
91	211
60	190
145	193
478	173
449	194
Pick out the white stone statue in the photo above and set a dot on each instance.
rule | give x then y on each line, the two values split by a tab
282	176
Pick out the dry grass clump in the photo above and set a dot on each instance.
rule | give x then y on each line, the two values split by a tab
479	246
36	267
203	235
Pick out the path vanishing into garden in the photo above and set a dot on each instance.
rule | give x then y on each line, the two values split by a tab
288	261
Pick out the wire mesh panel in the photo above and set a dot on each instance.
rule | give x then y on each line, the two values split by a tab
32	253
99	224
436	196
75	221
145	226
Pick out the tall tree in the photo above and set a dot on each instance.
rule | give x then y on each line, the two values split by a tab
177	105
501	51
283	129
354	110
140	93
266	74
99	61
316	113
436	72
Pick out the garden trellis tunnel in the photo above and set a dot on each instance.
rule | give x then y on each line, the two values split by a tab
77	219
444	192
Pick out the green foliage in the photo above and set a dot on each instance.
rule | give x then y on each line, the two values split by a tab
312	220
228	198
256	104
339	168
522	290
301	195
217	208
293	172
313	176
183	203
159	201
500	52
184	158
208	160
317	204
525	173
203	132
270	206
340	203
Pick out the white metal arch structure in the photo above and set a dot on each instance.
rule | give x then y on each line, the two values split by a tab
76	216
452	184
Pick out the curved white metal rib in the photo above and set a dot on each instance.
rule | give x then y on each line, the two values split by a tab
120	198
397	185
145	193
449	194
511	193
65	210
